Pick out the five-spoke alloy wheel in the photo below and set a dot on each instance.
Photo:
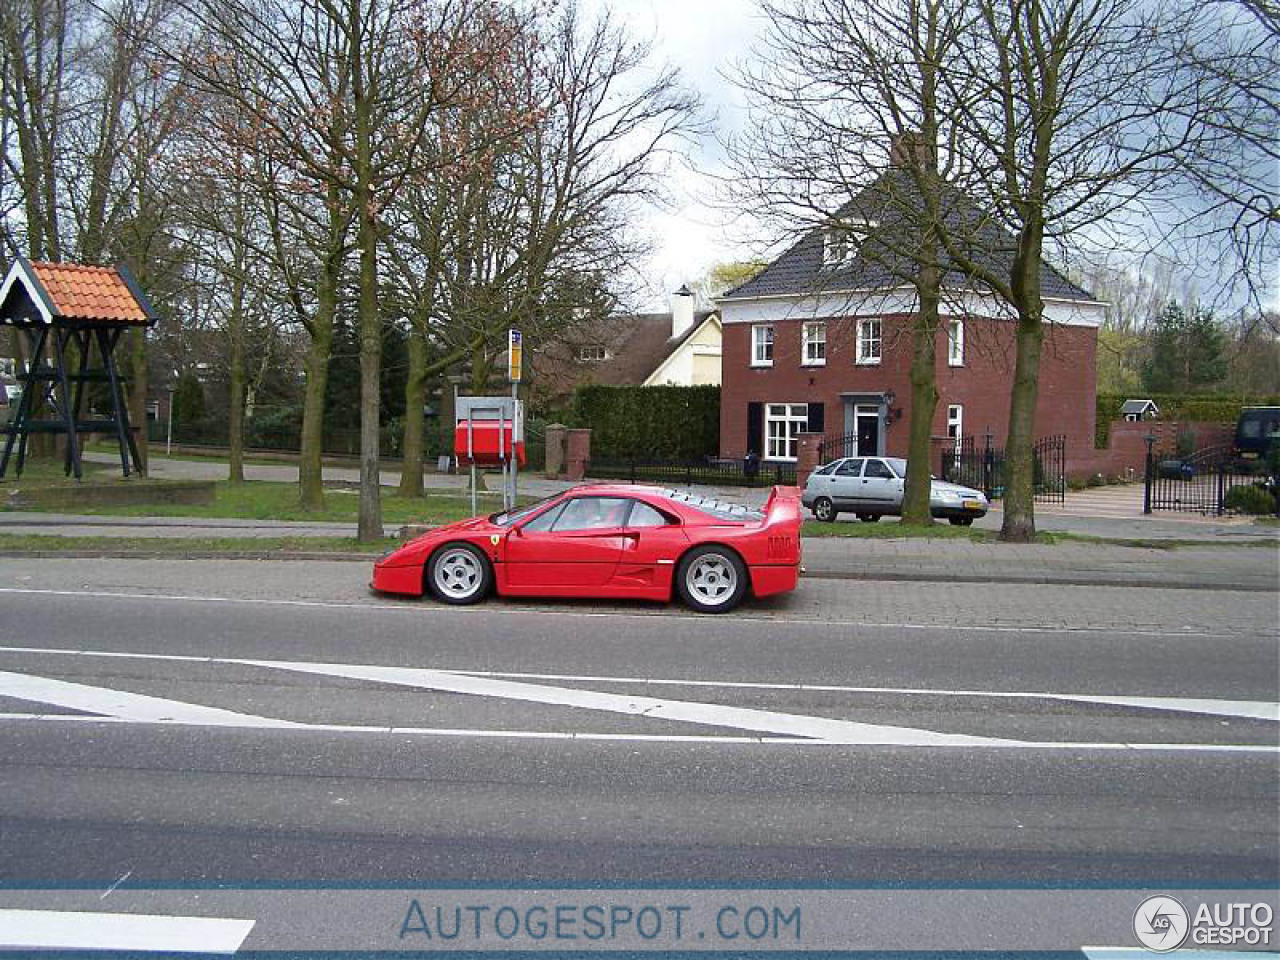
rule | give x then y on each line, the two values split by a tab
458	573
711	579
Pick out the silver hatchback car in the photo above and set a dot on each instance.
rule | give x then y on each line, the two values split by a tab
872	487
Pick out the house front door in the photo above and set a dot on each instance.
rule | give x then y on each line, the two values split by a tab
868	429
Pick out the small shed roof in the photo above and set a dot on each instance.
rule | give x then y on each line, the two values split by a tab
73	293
1139	406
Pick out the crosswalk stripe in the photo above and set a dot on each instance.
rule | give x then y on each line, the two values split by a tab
66	930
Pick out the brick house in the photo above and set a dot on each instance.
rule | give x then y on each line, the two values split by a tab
680	348
820	342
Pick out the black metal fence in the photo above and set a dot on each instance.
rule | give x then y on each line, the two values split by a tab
1198	482
708	471
984	468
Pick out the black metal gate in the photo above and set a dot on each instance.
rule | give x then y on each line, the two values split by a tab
1196	483
984	469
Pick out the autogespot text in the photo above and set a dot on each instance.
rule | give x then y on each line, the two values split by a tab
603	922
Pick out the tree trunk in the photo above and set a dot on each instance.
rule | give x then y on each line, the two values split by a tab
310	459
370	517
235	430
924	401
414	394
1019	524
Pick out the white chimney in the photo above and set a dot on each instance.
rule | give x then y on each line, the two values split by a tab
681	311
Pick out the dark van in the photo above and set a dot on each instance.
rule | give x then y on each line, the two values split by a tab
1256	430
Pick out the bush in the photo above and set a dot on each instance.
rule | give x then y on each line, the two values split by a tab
1250	499
1096	480
670	423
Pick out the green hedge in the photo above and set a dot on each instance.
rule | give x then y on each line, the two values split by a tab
661	422
1201	408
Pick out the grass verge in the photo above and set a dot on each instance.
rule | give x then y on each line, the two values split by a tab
13	543
268	500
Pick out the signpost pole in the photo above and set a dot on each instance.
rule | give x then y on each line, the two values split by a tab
515	371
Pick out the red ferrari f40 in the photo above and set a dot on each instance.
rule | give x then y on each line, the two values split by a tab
608	541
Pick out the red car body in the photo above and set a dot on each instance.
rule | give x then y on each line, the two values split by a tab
625	554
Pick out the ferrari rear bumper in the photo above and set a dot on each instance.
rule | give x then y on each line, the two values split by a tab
766	581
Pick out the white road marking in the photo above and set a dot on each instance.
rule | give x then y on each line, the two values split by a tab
1251	709
65	930
125	706
403	606
1246	709
779	727
716	715
675	737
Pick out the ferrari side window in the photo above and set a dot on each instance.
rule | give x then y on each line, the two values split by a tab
643	515
591	513
543	521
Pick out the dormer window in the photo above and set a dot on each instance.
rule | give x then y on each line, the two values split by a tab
592	354
842	243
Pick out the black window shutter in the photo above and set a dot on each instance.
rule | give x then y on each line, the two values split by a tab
755	428
816	418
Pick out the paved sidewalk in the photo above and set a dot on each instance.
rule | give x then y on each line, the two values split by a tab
1249	568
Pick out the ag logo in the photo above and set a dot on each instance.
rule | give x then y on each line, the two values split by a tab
1161	924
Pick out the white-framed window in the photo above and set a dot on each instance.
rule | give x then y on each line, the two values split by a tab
762	345
868	346
593	354
955	344
814	352
955	423
783	424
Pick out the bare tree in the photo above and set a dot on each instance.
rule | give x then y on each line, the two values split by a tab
1073	128
848	138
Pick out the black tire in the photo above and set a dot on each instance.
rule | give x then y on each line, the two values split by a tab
869	517
825	510
462	565
711	579
961	521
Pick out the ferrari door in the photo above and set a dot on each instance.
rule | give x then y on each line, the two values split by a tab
574	547
652	542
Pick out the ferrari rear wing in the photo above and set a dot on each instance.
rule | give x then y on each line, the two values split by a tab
783	506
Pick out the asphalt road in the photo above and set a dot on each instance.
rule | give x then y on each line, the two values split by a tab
236	722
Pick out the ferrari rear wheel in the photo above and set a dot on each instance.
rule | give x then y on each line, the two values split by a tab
711	579
458	573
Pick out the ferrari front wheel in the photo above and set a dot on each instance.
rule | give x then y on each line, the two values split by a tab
711	579
458	573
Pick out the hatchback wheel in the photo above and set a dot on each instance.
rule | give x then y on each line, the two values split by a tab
458	573
869	517
711	579
825	510
962	521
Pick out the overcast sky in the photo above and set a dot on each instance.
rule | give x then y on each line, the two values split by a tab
702	38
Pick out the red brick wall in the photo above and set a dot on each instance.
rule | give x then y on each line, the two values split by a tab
982	385
1126	451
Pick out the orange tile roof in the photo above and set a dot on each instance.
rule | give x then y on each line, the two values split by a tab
89	293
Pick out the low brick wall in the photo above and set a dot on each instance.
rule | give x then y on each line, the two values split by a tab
16	495
1126	452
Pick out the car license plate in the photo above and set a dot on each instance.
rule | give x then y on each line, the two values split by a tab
972	505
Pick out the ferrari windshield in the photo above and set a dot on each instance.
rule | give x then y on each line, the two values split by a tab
508	517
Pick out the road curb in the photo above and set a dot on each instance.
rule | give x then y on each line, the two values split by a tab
881	576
